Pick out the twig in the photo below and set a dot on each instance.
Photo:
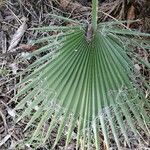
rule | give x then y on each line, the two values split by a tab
4	120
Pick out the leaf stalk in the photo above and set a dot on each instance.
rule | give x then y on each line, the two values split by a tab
94	14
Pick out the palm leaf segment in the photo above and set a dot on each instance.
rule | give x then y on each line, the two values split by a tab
88	86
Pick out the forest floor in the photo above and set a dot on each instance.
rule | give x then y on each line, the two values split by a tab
25	14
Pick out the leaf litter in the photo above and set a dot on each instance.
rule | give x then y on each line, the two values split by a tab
18	35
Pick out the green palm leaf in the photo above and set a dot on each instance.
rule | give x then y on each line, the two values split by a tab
86	84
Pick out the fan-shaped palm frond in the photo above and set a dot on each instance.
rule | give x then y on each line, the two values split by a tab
88	85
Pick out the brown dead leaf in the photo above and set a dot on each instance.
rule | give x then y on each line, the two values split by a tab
28	48
73	6
64	3
18	34
2	2
130	15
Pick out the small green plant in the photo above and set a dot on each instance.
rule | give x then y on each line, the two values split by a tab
85	83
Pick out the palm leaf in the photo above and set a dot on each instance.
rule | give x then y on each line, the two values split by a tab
88	84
